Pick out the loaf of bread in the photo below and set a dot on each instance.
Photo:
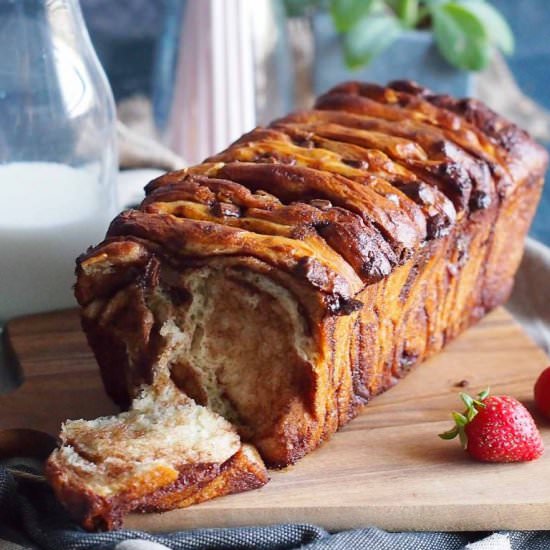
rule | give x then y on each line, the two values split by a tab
313	263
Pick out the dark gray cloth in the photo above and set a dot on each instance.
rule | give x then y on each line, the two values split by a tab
30	508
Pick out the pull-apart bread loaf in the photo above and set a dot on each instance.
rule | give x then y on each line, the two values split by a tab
314	262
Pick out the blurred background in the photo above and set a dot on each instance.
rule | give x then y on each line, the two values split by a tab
151	52
191	76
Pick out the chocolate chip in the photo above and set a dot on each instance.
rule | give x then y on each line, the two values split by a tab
178	295
462	246
479	200
452	269
226	209
408	359
409	87
437	226
321	204
305	141
343	306
355	163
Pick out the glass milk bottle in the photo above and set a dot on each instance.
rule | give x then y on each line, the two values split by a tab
58	156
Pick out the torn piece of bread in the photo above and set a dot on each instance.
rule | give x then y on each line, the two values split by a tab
166	452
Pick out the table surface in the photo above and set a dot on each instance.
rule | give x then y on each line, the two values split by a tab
350	481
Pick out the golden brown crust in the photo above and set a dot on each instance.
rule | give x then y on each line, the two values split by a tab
156	491
393	218
242	472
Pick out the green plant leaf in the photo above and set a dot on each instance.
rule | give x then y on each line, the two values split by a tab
461	38
495	25
347	13
407	11
368	38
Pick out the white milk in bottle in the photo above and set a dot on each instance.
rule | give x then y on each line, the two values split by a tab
49	214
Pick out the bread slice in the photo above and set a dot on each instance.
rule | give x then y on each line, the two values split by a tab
165	452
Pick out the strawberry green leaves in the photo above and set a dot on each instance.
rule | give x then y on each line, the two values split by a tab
463	419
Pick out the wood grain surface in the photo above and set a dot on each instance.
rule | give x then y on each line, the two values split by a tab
387	468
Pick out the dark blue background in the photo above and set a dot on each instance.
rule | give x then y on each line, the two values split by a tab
530	21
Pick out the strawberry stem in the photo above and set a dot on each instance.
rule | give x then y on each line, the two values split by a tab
463	419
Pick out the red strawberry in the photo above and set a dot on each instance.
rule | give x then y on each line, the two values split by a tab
496	429
542	392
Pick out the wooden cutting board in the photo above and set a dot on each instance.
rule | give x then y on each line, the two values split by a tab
387	468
